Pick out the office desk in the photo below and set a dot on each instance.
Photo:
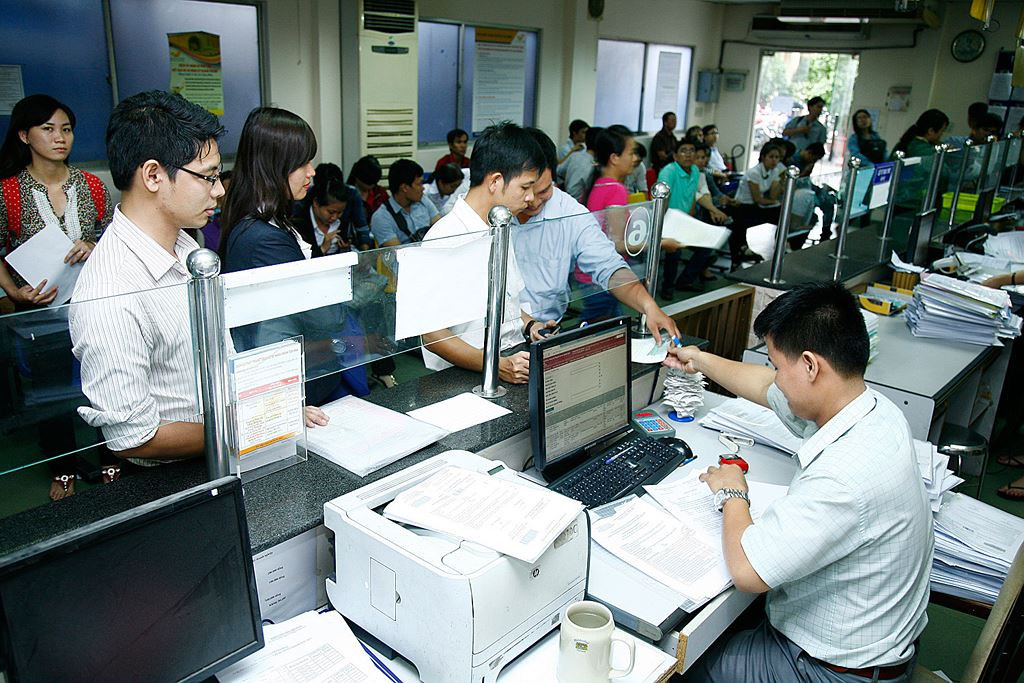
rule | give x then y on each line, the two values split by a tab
932	380
699	630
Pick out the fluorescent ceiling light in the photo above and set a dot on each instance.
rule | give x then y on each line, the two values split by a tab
822	20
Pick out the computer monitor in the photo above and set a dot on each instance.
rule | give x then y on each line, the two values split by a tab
162	592
579	393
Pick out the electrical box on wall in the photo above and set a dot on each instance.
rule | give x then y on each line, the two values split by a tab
708	85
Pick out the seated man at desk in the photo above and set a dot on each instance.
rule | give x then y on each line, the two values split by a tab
502	172
408	214
132	337
845	556
549	249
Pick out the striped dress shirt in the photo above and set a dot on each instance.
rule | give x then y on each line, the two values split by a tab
130	330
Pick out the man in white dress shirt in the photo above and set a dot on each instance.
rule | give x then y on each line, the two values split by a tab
503	171
129	321
845	557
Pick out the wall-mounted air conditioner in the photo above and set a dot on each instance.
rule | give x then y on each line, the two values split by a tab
388	78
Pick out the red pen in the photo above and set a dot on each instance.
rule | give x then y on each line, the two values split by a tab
734	460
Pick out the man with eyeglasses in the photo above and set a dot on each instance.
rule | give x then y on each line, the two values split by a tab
129	314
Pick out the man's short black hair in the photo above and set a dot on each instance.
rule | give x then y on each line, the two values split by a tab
157	125
975	111
504	148
693	142
577	125
823	318
701	147
403	172
708	128
989	121
592	134
448	173
456	133
664	117
817	99
547	148
817	149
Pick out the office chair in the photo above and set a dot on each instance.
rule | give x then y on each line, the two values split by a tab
998	655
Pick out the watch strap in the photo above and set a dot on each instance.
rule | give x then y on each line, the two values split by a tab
726	494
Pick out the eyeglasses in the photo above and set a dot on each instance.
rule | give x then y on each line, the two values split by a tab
212	179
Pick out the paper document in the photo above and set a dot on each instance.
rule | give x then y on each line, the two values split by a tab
517	519
901	266
310	648
267	390
646	350
691	501
987	529
41	257
363	437
440	286
743	417
459	412
691	232
664	548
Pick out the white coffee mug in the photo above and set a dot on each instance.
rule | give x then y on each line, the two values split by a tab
585	645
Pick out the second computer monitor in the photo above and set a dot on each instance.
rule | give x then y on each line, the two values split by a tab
579	392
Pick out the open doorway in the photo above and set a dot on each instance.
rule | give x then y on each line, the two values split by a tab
787	80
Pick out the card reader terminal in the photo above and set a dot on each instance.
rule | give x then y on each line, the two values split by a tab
650	423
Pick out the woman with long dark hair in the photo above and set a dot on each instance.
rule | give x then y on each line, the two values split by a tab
273	169
919	140
864	143
39	189
332	214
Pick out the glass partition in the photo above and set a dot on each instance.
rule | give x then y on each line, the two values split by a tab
84	383
1010	176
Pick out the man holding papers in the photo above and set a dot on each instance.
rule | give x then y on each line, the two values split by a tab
556	233
845	556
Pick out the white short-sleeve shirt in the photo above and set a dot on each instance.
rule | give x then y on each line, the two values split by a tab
761	177
848	551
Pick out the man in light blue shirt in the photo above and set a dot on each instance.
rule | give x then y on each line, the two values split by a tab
845	556
556	234
407	215
807	129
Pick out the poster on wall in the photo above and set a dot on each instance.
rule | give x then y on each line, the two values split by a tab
898	98
666	88
499	77
12	88
195	69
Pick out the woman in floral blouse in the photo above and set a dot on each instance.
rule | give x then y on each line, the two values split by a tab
39	189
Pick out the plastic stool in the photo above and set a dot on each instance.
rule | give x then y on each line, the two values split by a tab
960	443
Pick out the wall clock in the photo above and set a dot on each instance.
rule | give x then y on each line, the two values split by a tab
968	46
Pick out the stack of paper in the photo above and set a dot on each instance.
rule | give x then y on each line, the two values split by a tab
871	322
691	232
946	308
684	391
935	472
1006	245
901	266
309	648
515	518
363	437
740	416
975	544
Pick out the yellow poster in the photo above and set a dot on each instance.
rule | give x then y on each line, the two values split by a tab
195	69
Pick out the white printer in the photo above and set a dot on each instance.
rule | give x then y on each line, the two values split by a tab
458	611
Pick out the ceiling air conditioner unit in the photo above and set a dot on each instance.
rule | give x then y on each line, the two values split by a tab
388	79
770	27
823	12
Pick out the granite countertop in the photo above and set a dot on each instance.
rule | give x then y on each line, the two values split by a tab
286	503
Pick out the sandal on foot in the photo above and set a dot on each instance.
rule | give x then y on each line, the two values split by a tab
1010	460
111	473
67	486
1011	492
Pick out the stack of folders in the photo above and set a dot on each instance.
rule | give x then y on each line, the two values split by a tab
935	472
975	544
742	417
871	322
947	308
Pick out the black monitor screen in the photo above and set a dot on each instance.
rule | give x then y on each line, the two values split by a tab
164	592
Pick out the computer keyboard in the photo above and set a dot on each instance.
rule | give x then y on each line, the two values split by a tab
623	469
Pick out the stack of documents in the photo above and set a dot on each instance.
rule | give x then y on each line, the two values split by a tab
871	322
312	648
518	519
935	472
946	308
363	437
684	391
740	416
975	544
1006	245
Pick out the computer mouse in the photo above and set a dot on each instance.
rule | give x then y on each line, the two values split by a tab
677	444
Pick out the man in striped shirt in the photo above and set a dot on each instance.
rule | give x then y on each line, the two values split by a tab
129	318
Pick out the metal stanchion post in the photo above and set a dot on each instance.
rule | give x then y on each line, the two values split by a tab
206	302
659	193
935	178
1013	173
499	217
968	144
890	209
782	230
844	223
